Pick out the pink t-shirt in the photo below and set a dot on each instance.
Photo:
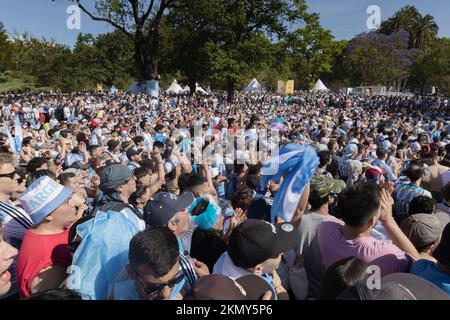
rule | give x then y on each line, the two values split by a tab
334	247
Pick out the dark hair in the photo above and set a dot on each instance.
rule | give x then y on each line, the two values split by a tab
138	140
56	294
36	163
159	145
358	203
156	249
32	177
324	157
241	198
342	275
64	177
140	191
26	141
414	172
422	204
316	202
141	172
381	152
200	207
252	181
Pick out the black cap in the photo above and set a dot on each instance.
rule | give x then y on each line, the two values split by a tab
132	152
254	241
112	144
396	286
125	144
442	252
163	206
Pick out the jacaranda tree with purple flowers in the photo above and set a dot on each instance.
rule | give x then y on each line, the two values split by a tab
374	58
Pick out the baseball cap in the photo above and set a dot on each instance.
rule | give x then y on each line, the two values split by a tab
415	147
396	286
422	229
114	176
386	144
80	165
442	252
254	241
126	144
132	152
43	197
112	144
163	206
374	174
323	185
220	287
350	149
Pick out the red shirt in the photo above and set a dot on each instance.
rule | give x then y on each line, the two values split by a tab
39	252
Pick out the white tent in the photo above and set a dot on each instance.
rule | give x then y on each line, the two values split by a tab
200	89
186	89
319	86
253	86
174	88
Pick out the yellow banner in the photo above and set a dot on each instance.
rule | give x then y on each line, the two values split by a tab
289	86
99	87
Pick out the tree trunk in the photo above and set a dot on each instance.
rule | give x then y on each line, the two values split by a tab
230	90
191	81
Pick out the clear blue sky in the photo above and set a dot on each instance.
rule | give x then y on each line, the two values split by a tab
345	18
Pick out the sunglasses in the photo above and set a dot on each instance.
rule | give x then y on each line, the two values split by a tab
154	288
10	175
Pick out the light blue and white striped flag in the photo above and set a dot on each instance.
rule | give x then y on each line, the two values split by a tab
296	163
10	138
18	137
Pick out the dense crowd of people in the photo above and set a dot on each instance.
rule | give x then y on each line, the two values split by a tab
132	197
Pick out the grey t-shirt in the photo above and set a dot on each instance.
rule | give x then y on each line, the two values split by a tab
307	230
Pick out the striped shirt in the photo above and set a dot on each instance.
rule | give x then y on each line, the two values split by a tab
15	220
404	193
187	268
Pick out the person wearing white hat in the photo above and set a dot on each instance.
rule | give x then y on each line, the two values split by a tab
44	254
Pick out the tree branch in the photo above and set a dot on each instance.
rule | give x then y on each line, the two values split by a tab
104	19
149	10
134	6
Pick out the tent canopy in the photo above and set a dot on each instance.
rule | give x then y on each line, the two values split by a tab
200	89
174	88
319	86
253	86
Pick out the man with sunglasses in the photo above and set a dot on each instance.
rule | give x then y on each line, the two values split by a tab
153	269
15	220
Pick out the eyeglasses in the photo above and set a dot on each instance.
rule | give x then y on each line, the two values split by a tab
10	175
154	288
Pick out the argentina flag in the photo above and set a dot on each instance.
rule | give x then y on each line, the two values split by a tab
18	138
296	163
10	138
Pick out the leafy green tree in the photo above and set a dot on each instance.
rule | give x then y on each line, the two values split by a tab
6	50
140	21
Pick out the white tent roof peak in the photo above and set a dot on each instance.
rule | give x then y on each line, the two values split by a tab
253	86
319	86
174	87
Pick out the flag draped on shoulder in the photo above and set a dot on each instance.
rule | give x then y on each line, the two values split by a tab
296	163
